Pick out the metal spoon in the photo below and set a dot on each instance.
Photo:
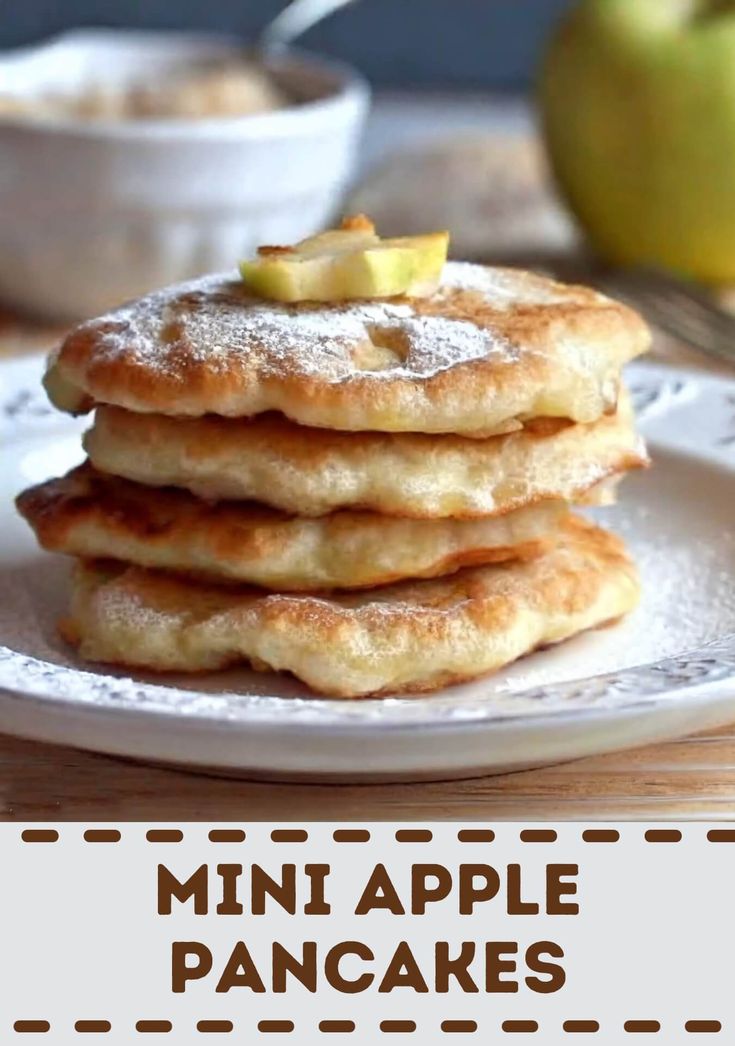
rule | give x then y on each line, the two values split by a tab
294	20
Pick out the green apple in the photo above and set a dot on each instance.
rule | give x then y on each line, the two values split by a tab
638	108
351	262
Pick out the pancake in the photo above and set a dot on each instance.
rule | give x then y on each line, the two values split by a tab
491	348
312	471
95	516
414	636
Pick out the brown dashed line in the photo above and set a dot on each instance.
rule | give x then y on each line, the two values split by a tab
214	1026
289	835
538	835
275	1026
642	1026
476	835
601	835
164	835
227	835
580	1026
703	1026
102	835
663	835
398	1026
331	1026
31	1026
520	1026
414	835
154	1026
721	835
459	1026
39	835
351	835
93	1026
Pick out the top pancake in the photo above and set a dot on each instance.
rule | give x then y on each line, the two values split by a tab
492	348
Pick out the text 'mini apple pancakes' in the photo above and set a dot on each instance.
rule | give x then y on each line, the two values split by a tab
355	462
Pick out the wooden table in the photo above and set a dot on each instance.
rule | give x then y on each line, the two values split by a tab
692	778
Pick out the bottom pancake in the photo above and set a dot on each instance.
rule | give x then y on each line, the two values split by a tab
103	517
412	636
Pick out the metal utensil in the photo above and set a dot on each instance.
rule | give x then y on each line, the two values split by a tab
294	20
680	308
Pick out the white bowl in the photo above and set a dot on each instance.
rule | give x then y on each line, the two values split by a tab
93	213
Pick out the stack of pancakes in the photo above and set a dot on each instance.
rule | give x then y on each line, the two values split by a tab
373	495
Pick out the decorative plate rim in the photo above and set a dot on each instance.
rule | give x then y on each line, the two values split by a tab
680	677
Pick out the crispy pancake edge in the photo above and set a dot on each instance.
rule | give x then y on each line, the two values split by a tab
561	358
412	637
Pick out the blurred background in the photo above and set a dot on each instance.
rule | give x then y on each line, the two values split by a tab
417	43
592	139
450	81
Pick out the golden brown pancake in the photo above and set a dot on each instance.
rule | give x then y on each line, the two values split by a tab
490	349
312	471
413	636
91	515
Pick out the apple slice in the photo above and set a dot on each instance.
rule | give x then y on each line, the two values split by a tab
350	262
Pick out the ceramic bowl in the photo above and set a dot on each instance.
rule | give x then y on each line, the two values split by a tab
95	212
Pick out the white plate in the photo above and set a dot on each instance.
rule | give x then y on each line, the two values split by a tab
667	670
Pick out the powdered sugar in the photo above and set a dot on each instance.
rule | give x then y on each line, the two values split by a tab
503	288
215	320
519	347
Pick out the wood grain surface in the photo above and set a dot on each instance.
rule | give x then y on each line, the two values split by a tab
693	778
